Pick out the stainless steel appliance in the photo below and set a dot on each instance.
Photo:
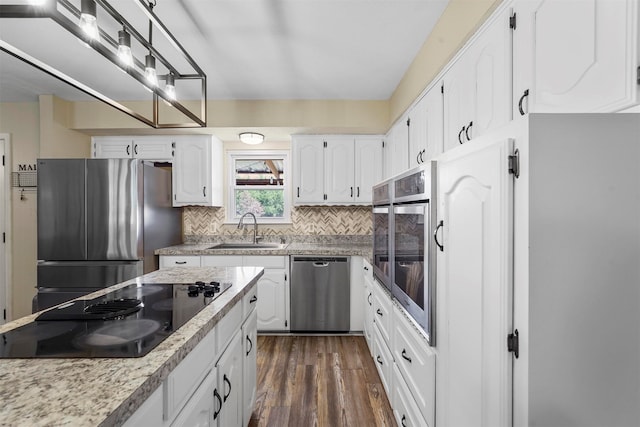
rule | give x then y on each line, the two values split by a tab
414	255
128	322
320	294
99	221
382	227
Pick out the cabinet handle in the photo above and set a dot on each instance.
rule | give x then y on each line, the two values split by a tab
358	191
524	95
298	191
226	380
217	396
379	359
435	236
253	299
369	298
128	150
418	158
404	356
250	345
404	418
135	149
351	191
379	312
466	132
460	135
204	191
180	262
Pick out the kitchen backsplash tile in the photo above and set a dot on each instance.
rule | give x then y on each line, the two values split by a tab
200	222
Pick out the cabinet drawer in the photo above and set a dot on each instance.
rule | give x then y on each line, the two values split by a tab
149	413
249	302
383	360
416	362
228	326
265	261
367	270
221	260
405	409
185	378
179	261
382	312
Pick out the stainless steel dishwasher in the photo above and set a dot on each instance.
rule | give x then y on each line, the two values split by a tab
320	294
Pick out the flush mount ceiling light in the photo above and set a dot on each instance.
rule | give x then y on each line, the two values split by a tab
99	26
251	138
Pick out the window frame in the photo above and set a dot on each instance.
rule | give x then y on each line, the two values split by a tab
232	156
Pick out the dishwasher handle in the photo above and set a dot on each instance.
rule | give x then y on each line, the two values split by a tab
320	264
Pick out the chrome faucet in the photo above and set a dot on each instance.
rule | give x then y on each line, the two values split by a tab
241	225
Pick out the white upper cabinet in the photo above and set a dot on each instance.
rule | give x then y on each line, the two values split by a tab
575	56
158	147
397	148
197	171
426	127
335	169
339	158
368	166
477	87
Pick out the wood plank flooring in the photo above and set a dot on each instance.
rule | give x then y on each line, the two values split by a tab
323	381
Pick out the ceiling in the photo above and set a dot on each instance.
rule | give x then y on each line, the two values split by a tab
249	49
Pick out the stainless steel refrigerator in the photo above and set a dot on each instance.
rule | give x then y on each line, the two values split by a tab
99	222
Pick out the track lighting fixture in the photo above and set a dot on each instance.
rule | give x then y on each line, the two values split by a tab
124	48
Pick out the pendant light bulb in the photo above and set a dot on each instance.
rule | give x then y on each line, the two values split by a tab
150	71
170	88
124	48
88	21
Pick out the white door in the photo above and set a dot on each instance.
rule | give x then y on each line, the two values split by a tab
230	383
153	148
249	368
338	170
575	56
271	301
113	147
368	167
474	306
192	172
400	146
308	170
4	187
418	133
433	104
457	102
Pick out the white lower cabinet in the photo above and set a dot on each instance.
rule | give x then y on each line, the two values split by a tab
250	367
149	414
202	408
405	409
179	261
384	360
229	368
368	325
382	312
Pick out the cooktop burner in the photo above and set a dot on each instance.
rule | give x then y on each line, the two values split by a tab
128	322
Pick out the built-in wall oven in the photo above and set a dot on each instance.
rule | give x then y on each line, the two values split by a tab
413	250
382	233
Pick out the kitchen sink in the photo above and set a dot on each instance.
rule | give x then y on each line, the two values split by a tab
249	246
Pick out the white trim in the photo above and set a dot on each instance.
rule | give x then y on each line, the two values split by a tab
5	150
259	154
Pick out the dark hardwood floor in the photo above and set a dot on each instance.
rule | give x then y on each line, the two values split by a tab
324	381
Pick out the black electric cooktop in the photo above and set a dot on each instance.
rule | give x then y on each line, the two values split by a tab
128	322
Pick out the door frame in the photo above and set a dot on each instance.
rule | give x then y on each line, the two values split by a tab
6	196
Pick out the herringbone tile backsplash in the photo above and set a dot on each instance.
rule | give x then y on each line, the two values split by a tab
330	220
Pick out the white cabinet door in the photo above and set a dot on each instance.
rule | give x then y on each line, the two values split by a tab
418	133
474	369
200	410
434	122
112	147
308	169
575	56
368	167
230	381
401	146
197	160
249	368
477	88
272	300
153	148
339	159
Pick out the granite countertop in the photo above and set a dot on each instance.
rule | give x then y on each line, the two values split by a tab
106	391
294	248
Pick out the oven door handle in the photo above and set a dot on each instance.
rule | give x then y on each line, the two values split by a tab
410	209
383	210
435	236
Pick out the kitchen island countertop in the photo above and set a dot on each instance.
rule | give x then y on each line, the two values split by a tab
294	248
107	391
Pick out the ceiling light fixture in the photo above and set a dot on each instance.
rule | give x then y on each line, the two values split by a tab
251	138
158	62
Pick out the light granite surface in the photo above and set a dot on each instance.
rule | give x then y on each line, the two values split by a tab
106	391
294	248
